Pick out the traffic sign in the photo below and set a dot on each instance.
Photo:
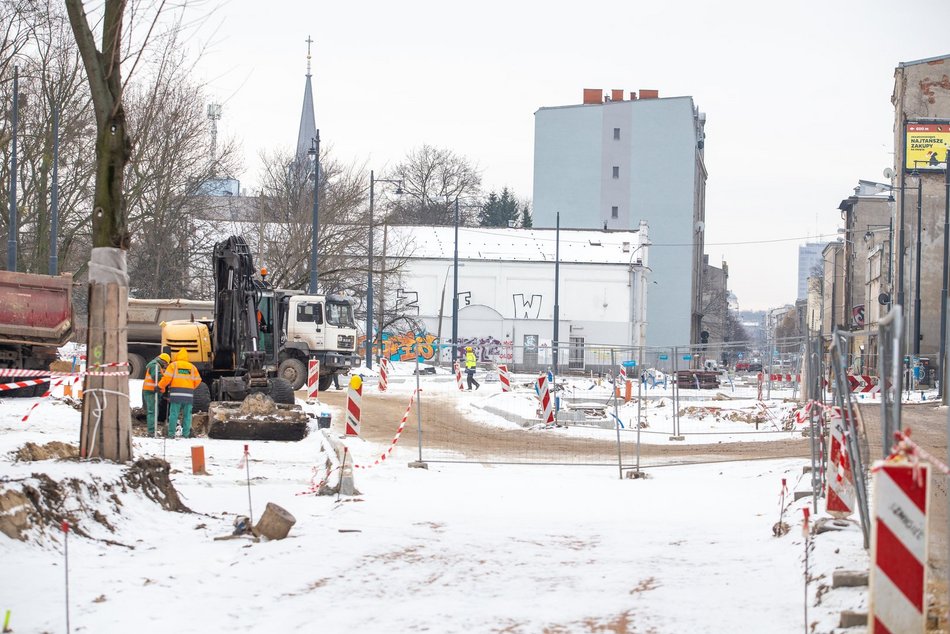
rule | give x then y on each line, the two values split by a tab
664	357
740	355
687	357
629	364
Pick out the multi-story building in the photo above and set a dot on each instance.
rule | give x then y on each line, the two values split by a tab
921	101
809	265
611	162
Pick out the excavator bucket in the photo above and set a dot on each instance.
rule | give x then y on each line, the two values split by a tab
257	417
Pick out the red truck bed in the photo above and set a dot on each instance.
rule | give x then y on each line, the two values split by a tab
35	309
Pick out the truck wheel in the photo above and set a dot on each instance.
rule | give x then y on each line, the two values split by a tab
201	399
293	371
325	380
281	392
136	366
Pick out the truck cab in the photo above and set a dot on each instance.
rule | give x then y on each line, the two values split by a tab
314	327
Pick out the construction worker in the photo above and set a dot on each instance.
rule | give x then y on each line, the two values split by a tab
470	361
181	378
153	374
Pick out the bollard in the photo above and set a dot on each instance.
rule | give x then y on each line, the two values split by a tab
198	460
628	391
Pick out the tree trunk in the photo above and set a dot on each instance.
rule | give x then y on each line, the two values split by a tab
106	430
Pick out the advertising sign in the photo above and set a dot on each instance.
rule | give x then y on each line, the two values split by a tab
927	146
857	316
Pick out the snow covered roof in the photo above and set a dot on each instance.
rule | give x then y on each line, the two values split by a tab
517	245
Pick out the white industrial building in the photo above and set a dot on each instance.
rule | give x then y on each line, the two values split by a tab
506	291
617	159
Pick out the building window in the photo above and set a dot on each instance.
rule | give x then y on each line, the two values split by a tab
616	171
616	134
576	357
615	212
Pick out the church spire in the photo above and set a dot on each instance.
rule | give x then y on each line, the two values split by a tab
308	126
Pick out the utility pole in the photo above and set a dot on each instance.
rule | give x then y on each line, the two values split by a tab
12	229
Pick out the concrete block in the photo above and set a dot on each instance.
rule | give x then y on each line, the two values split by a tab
677	437
418	464
853	619
801	494
849	578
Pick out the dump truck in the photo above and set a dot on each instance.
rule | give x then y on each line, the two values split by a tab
237	353
36	318
145	317
317	327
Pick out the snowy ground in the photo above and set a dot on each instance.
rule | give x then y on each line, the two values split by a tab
453	548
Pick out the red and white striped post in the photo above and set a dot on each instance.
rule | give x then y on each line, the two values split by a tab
623	374
840	498
383	374
544	394
505	378
898	580
760	379
313	379
458	376
354	405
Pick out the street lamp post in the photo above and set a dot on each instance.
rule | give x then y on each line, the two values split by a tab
369	269
557	278
455	287
943	292
12	228
315	225
920	189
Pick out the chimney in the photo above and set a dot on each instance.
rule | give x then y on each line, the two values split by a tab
616	95
593	95
649	94
633	96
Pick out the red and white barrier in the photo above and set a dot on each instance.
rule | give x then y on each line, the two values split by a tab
759	379
898	580
458	376
18	384
840	498
313	379
383	375
402	425
544	394
623	374
505	378
354	406
863	384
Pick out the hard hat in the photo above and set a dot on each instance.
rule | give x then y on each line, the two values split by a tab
182	355
164	357
468	347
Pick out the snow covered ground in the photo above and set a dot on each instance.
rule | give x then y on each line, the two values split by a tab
454	548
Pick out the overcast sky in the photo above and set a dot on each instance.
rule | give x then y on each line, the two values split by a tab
797	95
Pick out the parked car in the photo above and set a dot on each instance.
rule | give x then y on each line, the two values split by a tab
755	367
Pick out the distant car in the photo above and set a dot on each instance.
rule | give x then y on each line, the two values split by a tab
755	367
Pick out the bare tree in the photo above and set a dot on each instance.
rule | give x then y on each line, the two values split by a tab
433	178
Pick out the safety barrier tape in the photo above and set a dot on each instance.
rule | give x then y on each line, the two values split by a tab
906	448
36	404
315	487
19	384
389	450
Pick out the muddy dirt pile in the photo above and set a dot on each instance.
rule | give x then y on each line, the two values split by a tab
33	508
31	452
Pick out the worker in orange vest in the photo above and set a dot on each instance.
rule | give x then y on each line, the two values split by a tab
181	378
153	374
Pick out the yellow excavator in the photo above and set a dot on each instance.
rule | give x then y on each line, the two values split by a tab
240	389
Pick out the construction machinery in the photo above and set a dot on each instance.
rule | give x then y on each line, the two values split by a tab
36	318
312	327
236	353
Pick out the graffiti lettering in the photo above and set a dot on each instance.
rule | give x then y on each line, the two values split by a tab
467	296
407	301
530	309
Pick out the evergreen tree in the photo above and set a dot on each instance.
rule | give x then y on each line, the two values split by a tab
499	211
526	222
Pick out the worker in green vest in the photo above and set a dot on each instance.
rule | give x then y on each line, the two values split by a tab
150	395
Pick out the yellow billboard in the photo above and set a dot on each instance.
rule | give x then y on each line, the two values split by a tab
927	145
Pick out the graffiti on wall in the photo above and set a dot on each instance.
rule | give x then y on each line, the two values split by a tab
465	298
527	309
407	302
488	348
